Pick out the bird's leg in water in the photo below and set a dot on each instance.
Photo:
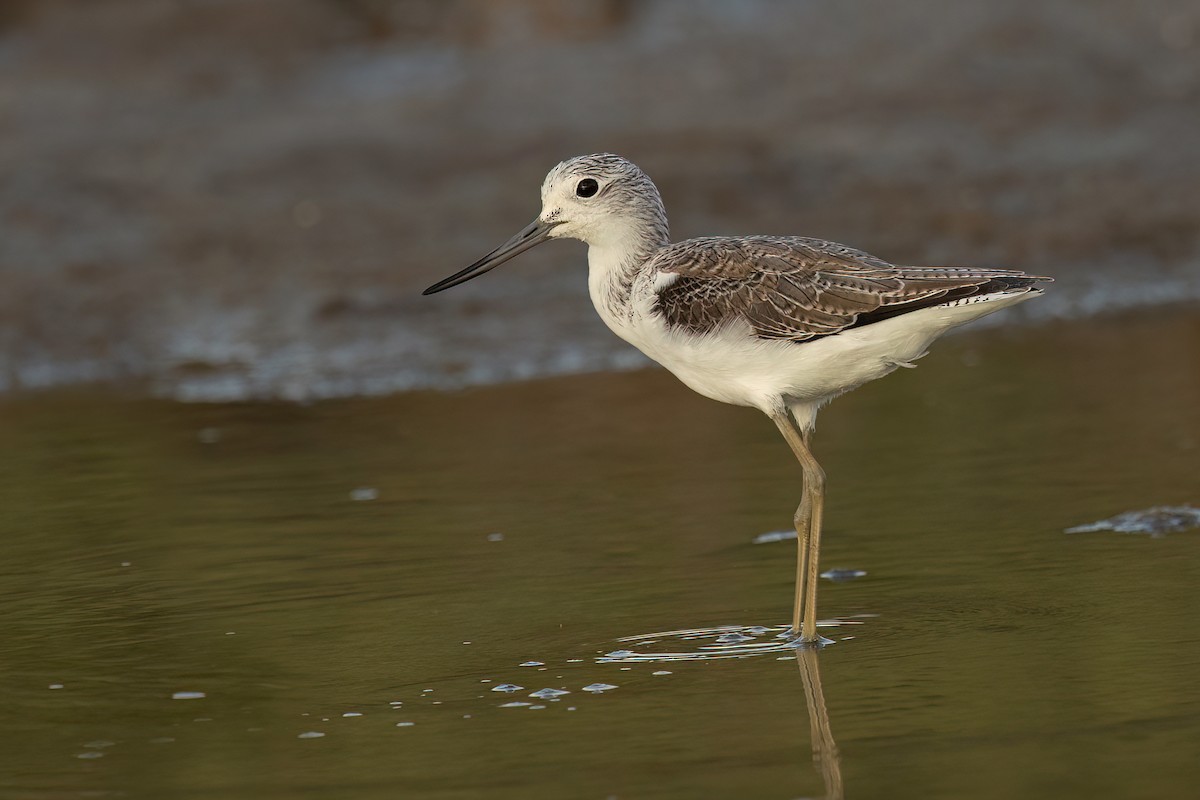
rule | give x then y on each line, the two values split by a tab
808	529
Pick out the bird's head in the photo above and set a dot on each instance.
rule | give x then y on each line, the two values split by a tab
603	200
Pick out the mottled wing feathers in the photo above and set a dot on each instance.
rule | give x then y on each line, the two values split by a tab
796	288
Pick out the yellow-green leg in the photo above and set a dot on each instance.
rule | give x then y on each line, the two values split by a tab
808	529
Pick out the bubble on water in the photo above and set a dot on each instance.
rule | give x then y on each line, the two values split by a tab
515	704
55	686
842	575
536	708
574	660
395	702
597	688
363	493
547	694
618	655
188	696
661	672
310	735
531	664
507	687
495	537
405	724
92	754
352	714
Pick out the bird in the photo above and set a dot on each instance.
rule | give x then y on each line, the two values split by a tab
782	324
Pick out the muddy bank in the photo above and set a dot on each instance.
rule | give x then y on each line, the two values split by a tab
223	201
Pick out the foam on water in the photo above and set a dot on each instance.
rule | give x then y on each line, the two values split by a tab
1157	521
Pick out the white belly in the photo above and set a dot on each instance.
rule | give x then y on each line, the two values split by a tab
734	367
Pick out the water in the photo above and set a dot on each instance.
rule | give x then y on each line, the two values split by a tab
151	551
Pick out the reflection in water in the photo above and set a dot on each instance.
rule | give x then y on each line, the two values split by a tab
825	752
739	641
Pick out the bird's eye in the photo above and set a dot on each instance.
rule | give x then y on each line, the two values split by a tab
587	187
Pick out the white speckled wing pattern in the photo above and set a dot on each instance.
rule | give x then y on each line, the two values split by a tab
796	288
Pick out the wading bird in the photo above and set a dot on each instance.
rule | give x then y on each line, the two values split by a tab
779	323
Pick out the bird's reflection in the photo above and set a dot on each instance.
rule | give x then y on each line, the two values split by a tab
824	748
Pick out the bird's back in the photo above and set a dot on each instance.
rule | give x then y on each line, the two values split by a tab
797	289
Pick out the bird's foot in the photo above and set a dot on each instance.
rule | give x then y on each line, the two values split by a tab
798	641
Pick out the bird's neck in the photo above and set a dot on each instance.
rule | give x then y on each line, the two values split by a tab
615	258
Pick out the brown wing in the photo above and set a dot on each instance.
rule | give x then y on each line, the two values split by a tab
795	288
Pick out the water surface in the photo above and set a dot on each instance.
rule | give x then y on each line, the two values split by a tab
151	548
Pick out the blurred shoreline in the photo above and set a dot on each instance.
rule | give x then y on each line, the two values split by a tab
227	201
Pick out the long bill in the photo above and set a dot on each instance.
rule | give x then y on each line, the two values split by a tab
531	235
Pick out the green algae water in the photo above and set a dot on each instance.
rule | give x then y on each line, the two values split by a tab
335	600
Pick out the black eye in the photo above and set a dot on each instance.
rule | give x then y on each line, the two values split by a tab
587	187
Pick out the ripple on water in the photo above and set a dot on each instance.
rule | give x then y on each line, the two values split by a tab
703	644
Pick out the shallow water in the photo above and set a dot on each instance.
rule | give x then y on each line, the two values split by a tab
349	567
